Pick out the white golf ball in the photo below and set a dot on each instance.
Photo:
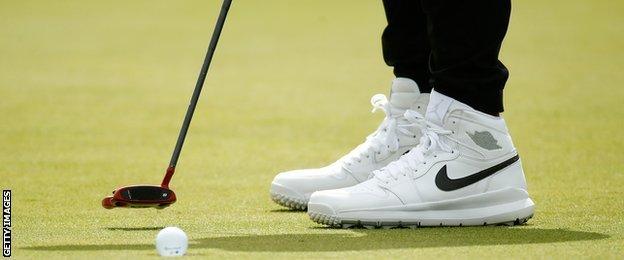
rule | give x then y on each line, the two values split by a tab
171	241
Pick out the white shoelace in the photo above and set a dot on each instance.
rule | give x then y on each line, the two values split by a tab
386	135
408	163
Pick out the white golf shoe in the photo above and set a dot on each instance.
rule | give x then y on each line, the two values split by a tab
394	137
464	172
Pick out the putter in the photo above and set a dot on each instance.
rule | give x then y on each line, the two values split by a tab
153	196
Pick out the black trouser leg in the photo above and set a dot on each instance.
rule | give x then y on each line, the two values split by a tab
405	43
464	38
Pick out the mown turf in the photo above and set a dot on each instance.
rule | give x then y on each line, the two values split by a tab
92	94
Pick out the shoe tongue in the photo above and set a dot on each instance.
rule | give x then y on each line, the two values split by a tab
404	93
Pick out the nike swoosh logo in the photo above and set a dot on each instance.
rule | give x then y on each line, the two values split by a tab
445	183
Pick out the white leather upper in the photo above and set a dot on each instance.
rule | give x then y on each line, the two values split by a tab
476	141
392	139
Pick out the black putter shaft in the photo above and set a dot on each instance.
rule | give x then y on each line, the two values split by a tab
198	88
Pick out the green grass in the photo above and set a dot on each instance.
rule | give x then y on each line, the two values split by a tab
92	94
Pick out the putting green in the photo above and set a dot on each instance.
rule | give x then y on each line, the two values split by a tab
92	94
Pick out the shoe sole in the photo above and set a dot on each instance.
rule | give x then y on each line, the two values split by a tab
287	197
336	222
510	213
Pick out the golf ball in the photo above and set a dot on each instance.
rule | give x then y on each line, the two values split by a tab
171	241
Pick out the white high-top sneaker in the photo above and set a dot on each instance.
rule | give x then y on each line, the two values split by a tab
394	137
465	171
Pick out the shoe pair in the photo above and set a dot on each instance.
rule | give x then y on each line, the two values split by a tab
454	166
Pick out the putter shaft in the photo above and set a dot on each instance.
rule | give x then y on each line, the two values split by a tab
196	93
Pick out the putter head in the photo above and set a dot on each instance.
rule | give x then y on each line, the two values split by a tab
140	196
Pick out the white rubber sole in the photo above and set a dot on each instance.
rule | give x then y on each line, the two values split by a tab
503	207
289	198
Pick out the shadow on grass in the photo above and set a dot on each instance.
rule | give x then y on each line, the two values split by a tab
134	228
366	240
286	211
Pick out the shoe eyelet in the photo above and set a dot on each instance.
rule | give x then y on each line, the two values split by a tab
418	107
